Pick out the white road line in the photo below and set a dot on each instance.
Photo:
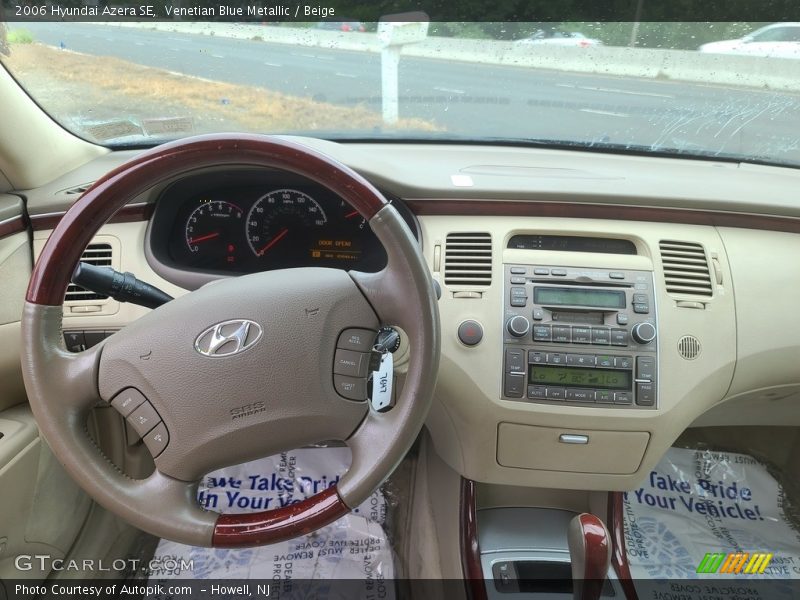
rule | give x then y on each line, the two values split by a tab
315	56
139	43
592	88
348	75
269	64
217	56
449	90
607	113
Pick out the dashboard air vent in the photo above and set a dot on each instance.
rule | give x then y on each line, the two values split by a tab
468	259
685	268
99	255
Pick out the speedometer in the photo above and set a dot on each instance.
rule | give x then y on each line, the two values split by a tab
284	222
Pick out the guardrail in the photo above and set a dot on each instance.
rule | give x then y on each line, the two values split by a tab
779	74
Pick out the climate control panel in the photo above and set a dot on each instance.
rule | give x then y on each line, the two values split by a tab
580	336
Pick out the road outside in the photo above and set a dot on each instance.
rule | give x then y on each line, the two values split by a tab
468	99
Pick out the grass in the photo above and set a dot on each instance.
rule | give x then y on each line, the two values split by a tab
130	87
20	36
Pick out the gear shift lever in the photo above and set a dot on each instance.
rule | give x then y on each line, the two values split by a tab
590	555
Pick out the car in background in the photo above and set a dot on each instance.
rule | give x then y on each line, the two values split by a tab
343	25
779	40
554	37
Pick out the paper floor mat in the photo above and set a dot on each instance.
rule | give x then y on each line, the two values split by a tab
697	503
355	547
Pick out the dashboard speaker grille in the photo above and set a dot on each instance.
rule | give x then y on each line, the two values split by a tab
685	268
689	347
468	259
99	255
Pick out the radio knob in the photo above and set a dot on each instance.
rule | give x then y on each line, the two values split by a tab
518	326
643	333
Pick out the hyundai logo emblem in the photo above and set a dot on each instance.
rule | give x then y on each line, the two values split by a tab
228	338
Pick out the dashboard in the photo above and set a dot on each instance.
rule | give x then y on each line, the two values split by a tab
239	220
563	248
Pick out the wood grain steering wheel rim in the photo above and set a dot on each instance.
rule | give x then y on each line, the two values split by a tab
63	386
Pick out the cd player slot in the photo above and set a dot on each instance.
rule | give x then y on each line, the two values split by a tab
562	315
605	284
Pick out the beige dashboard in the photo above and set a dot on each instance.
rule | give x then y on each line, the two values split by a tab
746	371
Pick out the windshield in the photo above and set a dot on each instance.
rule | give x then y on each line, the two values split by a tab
723	90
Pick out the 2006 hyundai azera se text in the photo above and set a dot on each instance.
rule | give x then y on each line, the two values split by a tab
399	309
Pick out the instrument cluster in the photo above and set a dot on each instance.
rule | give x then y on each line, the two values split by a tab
246	221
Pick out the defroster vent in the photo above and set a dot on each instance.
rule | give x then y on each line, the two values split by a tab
468	259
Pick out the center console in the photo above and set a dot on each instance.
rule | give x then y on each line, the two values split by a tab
525	555
583	337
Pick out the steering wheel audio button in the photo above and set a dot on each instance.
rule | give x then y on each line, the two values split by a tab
127	401
157	440
144	418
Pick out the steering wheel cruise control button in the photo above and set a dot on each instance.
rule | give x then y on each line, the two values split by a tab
157	440
358	340
144	418
352	388
127	401
352	364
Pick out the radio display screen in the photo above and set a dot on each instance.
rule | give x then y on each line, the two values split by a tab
556	296
609	379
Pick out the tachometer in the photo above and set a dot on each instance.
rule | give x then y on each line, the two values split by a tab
213	229
284	222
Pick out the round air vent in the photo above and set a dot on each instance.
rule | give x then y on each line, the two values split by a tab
689	347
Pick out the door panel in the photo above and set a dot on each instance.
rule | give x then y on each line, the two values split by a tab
15	270
41	509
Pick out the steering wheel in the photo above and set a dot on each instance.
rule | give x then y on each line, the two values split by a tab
237	370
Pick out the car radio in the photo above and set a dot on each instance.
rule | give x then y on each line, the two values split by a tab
582	337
